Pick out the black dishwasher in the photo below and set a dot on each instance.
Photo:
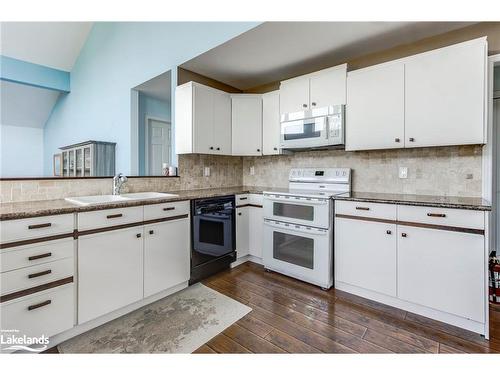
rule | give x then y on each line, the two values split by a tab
213	236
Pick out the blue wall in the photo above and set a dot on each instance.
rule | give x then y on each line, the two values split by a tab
150	107
117	57
21	151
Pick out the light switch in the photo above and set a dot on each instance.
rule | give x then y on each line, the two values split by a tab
252	170
403	172
206	171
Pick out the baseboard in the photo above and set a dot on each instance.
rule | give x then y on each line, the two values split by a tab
87	326
470	325
246	258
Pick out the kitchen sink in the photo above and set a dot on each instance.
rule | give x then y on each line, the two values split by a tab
105	199
148	195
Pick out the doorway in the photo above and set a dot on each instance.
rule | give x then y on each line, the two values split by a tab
158	135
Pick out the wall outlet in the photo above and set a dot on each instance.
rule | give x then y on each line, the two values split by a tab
403	172
206	171
252	170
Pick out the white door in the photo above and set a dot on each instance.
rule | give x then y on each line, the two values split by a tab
443	270
375	108
365	255
444	96
271	123
246	120
242	231
203	117
158	147
256	224
166	255
328	87
110	272
294	95
222	123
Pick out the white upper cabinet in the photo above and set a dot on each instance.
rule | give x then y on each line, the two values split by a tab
202	120
246	120
435	98
445	96
294	95
375	110
328	87
319	89
271	123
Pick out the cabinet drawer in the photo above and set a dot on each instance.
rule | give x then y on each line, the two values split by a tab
160	211
109	218
35	254
35	227
242	199
442	216
29	277
366	209
45	313
255	199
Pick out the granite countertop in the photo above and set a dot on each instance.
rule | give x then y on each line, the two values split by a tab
21	210
466	203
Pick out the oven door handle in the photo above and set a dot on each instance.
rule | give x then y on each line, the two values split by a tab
298	228
319	202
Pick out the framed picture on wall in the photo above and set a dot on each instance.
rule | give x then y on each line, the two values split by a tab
57	164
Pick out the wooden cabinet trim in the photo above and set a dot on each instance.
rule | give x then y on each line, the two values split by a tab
38	288
36	240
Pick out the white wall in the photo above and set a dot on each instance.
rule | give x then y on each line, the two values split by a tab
21	151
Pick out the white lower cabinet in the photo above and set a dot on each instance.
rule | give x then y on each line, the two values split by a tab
110	271
443	270
256	223
242	231
166	255
366	255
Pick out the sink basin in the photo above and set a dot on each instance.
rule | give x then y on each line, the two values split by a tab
105	199
96	199
148	195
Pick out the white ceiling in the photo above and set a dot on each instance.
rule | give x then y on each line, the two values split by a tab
23	105
158	87
275	51
53	44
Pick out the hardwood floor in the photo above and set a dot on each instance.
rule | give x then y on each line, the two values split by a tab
289	316
295	317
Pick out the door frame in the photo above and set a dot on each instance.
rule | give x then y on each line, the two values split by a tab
147	118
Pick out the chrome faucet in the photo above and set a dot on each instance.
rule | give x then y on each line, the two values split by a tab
118	181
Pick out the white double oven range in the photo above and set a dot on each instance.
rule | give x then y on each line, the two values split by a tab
298	224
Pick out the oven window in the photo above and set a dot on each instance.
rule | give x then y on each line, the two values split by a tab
293	211
293	249
212	232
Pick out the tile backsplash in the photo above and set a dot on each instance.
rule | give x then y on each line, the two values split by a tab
452	171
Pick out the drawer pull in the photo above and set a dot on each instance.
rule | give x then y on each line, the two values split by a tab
243	198
138	235
40	256
404	235
388	232
114	216
38	226
169	208
38	305
436	215
151	232
38	274
363	208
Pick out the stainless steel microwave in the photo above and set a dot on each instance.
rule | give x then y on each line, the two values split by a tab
315	128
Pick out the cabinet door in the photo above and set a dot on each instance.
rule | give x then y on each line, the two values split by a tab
445	96
328	87
256	223
166	255
375	108
294	95
203	117
222	123
242	231
246	120
110	272
443	270
271	123
365	255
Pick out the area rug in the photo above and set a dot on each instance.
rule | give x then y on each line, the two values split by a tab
179	323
